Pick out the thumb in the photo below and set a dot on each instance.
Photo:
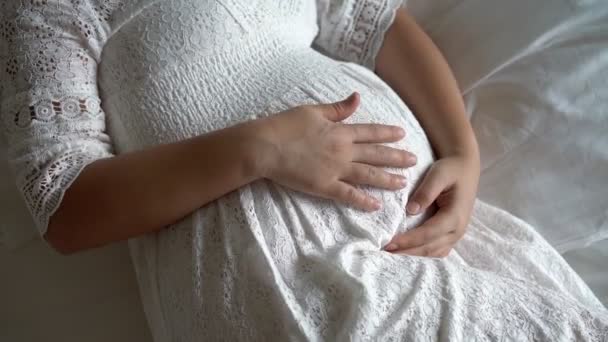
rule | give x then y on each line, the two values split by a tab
341	110
433	184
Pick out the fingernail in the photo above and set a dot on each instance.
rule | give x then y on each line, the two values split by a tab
413	159
402	182
391	247
399	131
413	207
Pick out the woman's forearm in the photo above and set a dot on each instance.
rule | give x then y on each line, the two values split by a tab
414	67
141	192
136	193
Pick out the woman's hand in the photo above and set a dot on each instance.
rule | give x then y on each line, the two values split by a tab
433	95
311	151
451	183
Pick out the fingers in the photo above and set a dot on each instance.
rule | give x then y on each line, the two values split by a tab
370	175
352	196
439	225
341	110
427	192
375	133
379	155
362	133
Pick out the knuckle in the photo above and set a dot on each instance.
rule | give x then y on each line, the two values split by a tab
337	107
358	174
379	151
371	172
376	132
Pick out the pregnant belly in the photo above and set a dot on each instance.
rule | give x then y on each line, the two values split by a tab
318	224
262	239
183	101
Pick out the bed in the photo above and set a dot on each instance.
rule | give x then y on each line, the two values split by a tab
535	80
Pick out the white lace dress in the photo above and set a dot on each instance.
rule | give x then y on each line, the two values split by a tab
264	262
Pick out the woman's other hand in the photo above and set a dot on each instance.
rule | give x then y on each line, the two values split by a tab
308	149
451	183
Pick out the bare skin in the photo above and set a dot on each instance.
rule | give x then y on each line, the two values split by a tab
296	148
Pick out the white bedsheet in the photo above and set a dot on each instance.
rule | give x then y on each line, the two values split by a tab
590	263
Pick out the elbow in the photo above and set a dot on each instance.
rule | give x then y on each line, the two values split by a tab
62	239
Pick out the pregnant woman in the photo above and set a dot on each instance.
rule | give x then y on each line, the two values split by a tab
263	184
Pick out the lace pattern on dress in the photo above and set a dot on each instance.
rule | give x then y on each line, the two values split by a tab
359	38
68	108
50	111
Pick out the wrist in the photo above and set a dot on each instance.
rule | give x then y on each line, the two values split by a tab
467	148
259	149
469	155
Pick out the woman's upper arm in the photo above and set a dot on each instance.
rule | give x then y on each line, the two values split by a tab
353	30
49	104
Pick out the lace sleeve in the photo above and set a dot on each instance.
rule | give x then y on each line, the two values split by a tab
49	107
353	30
